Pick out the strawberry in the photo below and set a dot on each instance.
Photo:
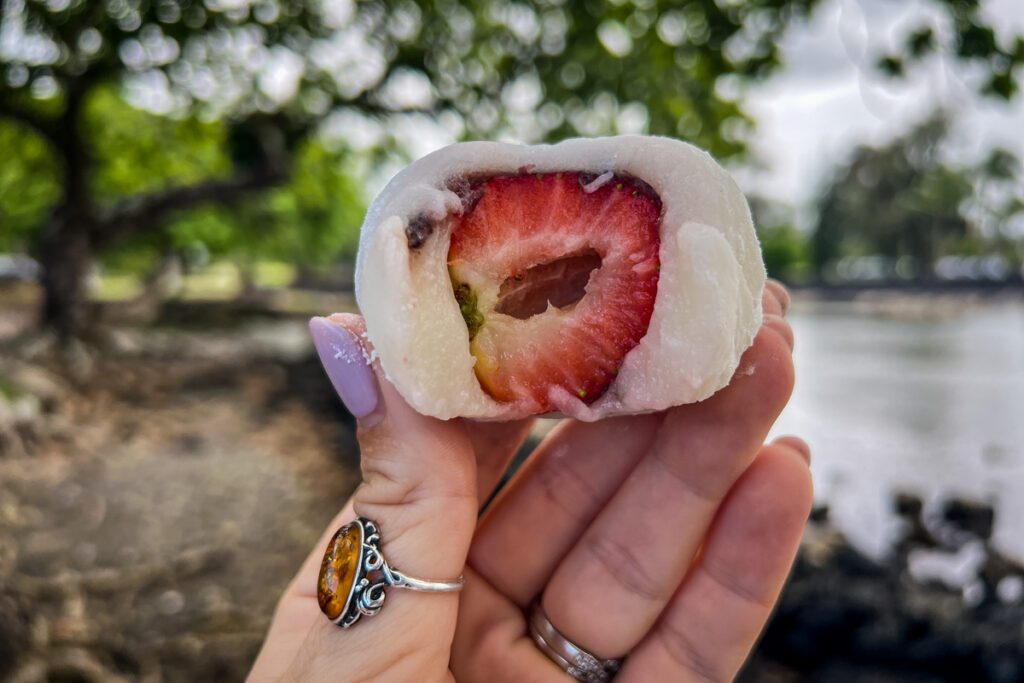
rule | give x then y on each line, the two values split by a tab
556	276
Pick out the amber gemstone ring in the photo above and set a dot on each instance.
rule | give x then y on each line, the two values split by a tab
354	574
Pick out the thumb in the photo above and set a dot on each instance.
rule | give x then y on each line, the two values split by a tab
419	473
419	486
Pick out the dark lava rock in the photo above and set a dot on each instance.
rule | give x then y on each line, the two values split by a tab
976	518
845	618
14	632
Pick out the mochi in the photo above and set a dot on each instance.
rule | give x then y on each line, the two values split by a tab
590	278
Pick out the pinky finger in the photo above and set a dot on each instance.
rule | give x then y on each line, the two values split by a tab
714	619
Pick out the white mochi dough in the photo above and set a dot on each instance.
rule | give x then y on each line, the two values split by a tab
706	313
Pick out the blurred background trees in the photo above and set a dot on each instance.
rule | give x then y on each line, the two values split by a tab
138	133
905	204
899	202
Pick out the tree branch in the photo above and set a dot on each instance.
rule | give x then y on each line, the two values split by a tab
145	213
40	124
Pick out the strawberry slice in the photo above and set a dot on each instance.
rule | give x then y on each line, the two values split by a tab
556	276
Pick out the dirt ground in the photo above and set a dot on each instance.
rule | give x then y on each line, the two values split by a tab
146	532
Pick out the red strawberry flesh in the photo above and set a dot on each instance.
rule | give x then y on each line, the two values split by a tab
556	276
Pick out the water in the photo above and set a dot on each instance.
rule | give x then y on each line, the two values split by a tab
933	407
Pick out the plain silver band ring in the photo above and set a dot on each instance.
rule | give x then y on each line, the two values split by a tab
571	658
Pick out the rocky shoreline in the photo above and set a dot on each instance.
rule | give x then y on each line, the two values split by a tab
845	618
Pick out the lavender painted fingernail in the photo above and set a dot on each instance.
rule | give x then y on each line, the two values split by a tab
346	366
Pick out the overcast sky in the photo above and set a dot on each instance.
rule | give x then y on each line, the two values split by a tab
829	97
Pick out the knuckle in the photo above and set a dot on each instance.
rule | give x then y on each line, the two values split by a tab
566	488
735	585
773	369
782	326
624	566
681	649
707	489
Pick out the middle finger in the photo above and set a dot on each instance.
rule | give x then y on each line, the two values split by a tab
553	499
630	561
558	493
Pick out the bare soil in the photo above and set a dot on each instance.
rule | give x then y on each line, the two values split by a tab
146	532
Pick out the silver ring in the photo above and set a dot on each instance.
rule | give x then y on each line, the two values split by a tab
354	574
573	659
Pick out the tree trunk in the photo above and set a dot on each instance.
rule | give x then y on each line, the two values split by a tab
66	255
68	246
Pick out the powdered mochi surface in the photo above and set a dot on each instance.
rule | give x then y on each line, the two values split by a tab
706	313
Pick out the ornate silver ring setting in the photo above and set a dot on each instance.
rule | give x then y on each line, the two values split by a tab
354	574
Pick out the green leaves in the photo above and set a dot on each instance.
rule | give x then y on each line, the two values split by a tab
179	92
904	201
972	39
29	185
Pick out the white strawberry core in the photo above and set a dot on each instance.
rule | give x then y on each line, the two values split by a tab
561	283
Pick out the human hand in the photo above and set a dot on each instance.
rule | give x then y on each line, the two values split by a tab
663	539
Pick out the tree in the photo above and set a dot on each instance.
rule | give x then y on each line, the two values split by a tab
269	71
900	200
312	218
968	38
783	247
996	208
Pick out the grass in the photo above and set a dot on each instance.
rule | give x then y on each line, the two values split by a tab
11	390
220	281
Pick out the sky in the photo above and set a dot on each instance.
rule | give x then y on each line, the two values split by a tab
829	98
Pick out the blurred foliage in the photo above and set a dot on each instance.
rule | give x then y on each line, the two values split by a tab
786	253
29	185
785	249
312	219
970	38
904	201
136	151
997	206
674	67
898	200
549	70
157	123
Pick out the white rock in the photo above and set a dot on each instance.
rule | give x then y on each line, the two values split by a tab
708	305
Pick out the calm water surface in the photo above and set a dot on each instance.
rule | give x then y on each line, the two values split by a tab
933	407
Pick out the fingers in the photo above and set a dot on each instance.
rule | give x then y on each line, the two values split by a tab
563	486
491	642
631	559
779	324
779	294
419	485
714	619
545	509
297	611
797	444
774	304
495	444
770	302
747	553
419	473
